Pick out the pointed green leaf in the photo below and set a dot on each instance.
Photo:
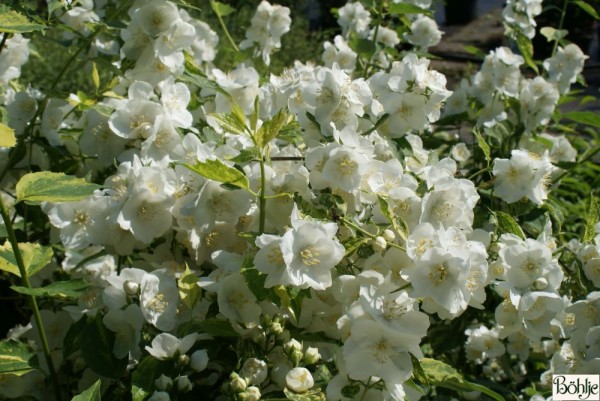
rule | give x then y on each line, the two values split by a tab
15	358
7	136
57	289
526	49
35	257
229	122
189	291
483	145
443	375
365	48
46	186
405	8
507	224
221	9
91	394
588	8
552	34
270	129
95	76
584	117
13	22
217	171
215	327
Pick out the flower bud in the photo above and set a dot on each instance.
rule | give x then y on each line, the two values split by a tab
199	360
159	396
291	346
252	394
299	380
389	235
184	384
254	370
296	356
131	287
378	244
311	355
184	360
276	328
163	383
238	384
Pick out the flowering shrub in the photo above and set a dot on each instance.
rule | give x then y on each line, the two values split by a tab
194	226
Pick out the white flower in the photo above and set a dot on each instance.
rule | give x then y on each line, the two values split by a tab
299	380
127	325
236	301
483	343
158	299
522	176
353	17
146	215
310	251
156	17
374	350
166	346
424	32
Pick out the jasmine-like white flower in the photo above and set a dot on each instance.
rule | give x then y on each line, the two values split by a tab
166	346
158	299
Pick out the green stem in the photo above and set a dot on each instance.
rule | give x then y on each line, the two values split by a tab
222	23
262	200
12	238
560	25
377	124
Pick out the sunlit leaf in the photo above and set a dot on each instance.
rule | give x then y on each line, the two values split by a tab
13	22
15	358
45	186
91	394
57	289
217	171
35	257
7	136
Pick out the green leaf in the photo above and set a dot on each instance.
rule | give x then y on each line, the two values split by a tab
15	358
7	136
477	52
145	374
405	8
588	8
270	129
365	48
256	283
553	34
57	289
584	117
54	5
526	49
35	257
97	344
483	145
229	122
217	171
221	9
95	76
13	22
418	372
507	224
91	394
72	340
592	218
443	375
45	186
189	291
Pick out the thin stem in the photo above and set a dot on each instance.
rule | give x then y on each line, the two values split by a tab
377	124
560	25
12	238
222	23
3	42
262	200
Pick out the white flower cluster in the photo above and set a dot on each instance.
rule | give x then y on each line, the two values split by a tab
519	17
269	23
